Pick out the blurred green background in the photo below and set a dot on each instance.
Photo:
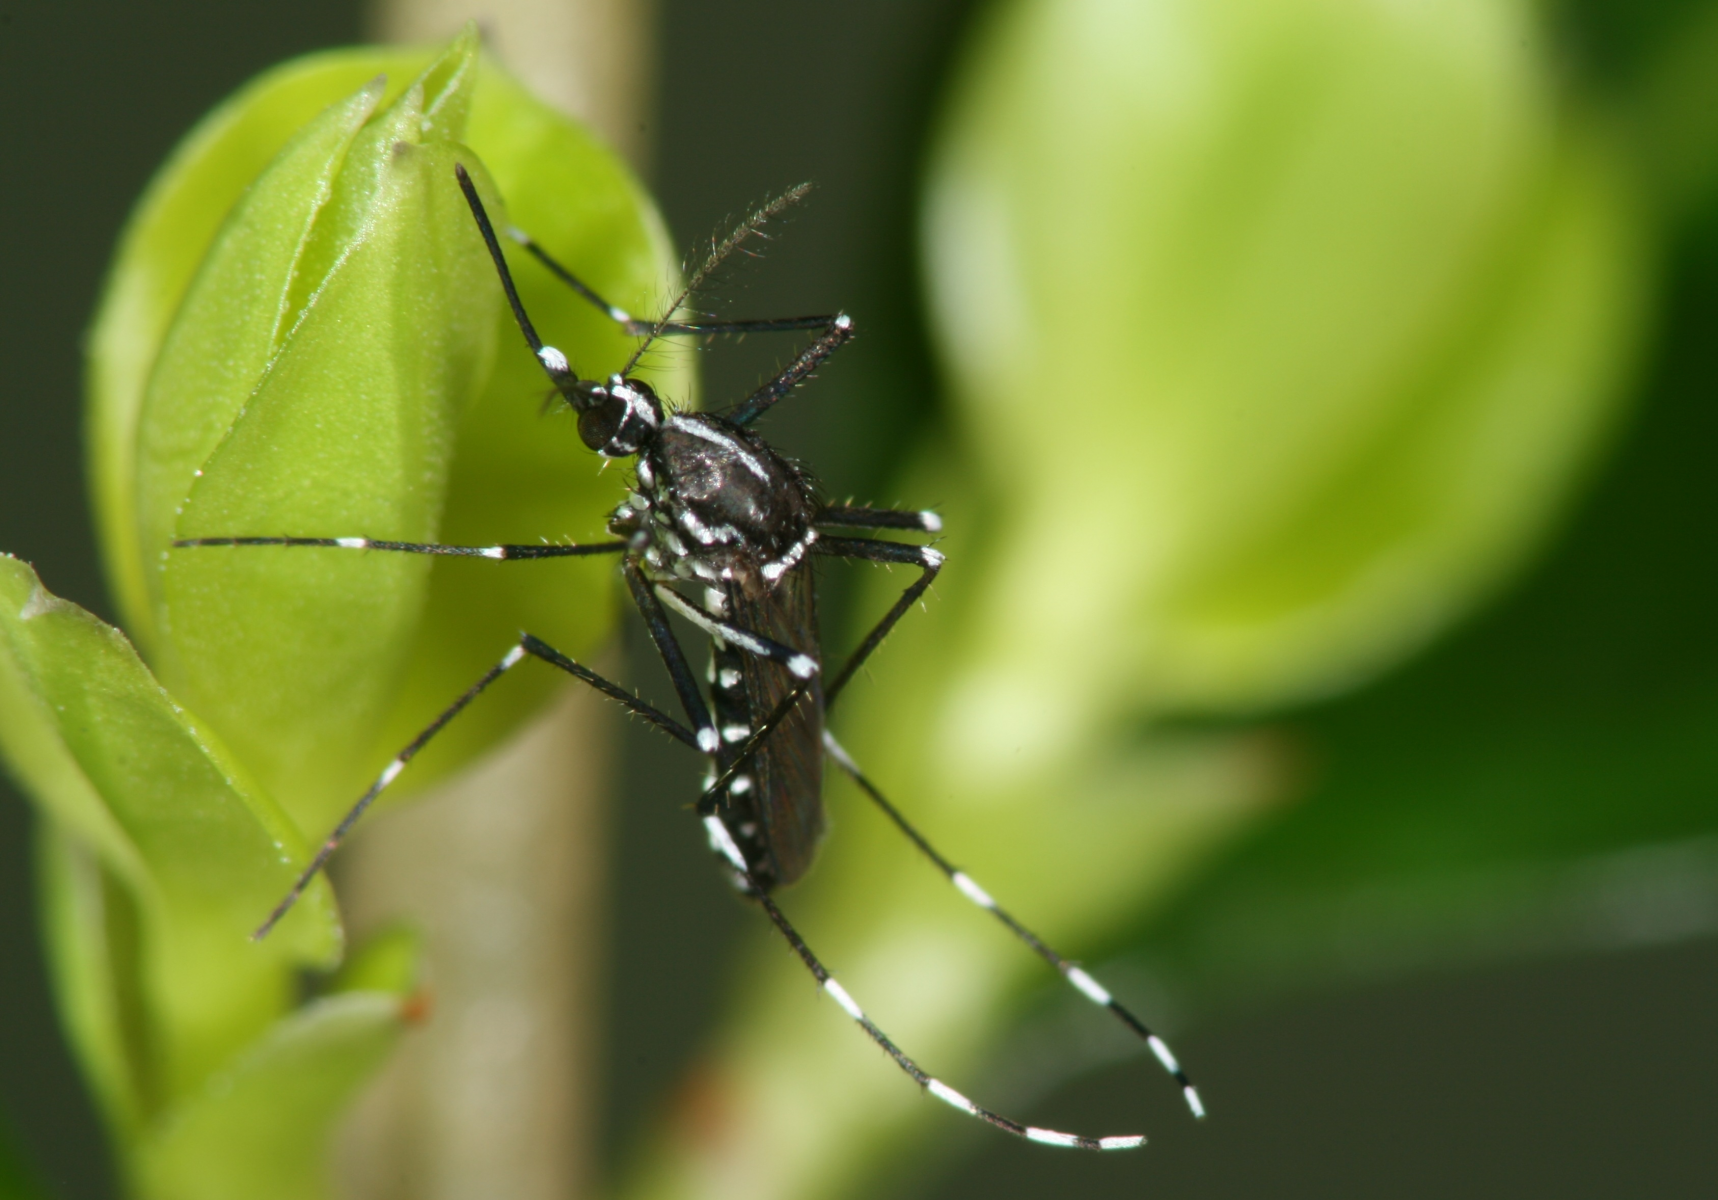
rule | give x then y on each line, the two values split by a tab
1541	782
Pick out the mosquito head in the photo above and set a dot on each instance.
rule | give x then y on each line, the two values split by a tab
618	416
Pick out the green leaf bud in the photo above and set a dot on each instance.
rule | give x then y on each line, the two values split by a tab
1285	326
300	337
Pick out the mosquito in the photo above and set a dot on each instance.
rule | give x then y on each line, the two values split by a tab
722	531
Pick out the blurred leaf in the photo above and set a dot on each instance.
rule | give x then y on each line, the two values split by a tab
388	961
1544	781
1332	303
199	853
1673	107
89	936
260	1128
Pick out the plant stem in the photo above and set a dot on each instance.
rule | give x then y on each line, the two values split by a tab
590	58
502	870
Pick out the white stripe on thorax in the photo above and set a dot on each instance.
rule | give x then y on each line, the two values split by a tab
699	429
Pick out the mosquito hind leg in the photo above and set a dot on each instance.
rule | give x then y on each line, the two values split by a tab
1088	987
724	842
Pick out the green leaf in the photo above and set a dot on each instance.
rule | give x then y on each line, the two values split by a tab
299	337
1541	783
390	960
378	414
89	935
1350	300
519	476
295	655
158	256
259	1129
173	825
233	321
1673	115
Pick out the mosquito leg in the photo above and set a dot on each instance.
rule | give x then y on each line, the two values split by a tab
538	648
508	553
650	599
638	328
838	328
725	844
802	665
553	361
928	561
527	645
673	657
747	750
850	516
836	335
1088	987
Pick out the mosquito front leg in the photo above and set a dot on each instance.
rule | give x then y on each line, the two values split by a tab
501	553
851	516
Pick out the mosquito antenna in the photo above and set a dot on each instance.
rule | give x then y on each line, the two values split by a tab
747	229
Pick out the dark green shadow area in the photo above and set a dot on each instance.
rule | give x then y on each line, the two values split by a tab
1545	779
17	1180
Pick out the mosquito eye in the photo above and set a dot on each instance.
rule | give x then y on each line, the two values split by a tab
599	424
622	418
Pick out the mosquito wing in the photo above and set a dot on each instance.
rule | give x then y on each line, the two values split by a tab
788	770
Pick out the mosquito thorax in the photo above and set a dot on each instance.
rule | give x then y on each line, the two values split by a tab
715	503
618	417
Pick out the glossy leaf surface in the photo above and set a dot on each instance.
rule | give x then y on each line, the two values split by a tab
375	407
261	1127
176	835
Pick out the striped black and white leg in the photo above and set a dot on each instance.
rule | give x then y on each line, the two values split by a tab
928	561
640	328
644	595
724	842
1088	987
855	516
502	553
838	333
527	646
555	363
803	666
751	741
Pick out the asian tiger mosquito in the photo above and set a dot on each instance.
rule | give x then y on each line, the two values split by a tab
716	506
